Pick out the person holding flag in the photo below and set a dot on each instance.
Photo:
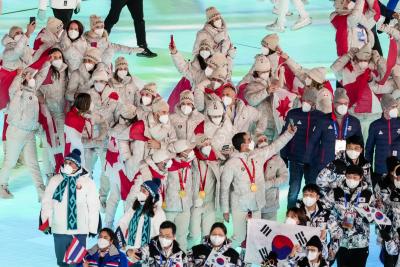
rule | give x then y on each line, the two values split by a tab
47	38
70	206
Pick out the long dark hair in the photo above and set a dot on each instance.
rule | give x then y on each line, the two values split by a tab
113	236
202	62
148	207
82	102
80	28
55	73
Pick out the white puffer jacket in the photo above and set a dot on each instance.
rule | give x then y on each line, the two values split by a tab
16	55
235	182
87	206
220	135
185	124
244	117
23	110
191	70
73	51
202	98
48	40
59	4
79	82
128	89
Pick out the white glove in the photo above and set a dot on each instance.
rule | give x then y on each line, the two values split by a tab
41	14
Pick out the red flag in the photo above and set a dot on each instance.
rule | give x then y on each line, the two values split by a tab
391	60
199	128
137	131
44	226
182	85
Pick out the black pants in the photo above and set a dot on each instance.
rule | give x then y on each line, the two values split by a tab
377	44
389	260
64	15
356	257
136	9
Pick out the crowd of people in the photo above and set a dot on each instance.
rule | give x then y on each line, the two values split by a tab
214	152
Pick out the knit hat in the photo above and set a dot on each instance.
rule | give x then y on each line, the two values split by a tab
150	88
317	74
13	30
262	64
160	155
212	14
310	95
315	242
201	139
94	54
159	105
215	108
182	145
206	44
186	95
153	187
54	25
387	101
75	157
271	41
219	74
364	53
95	21
217	60
121	62
100	75
340	93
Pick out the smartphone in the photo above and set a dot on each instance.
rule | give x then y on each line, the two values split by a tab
172	39
32	19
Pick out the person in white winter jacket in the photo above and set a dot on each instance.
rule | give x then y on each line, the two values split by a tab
186	117
142	221
73	45
243	183
48	37
98	37
144	99
22	119
70	206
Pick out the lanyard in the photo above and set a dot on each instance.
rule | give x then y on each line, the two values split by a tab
251	175
202	180
90	135
345	129
168	262
308	127
389	132
182	182
356	202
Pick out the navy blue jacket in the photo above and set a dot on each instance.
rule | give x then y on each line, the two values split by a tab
114	258
321	148
305	122
382	143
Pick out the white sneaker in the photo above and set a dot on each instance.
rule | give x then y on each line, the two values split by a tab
275	11
275	27
5	193
301	22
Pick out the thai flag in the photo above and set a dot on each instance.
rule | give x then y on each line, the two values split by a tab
75	252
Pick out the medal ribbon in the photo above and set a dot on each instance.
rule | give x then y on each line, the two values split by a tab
251	175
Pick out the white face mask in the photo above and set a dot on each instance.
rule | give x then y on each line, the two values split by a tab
67	169
122	73
99	86
342	109
264	76
351	183
216	120
308	81
305	107
216	85
32	83
363	65
205	53
227	100
186	109
17	37
57	63
290	221
99	32
396	183
89	66
312	255
217	240
393	113
309	201
352	154
265	50
208	71
217	23
146	100
165	242
103	243
351	5
168	164
141	197
206	150
190	156
73	34
163	119
251	145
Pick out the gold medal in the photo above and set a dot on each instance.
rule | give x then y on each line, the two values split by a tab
164	205
202	195
253	187
182	193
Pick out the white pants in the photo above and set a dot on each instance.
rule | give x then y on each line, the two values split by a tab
21	141
283	8
91	156
269	215
239	220
201	220
181	220
112	202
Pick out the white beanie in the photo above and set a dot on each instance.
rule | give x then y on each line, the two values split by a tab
262	64
160	155
54	25
317	74
159	105
217	60
215	108
206	44
13	30
212	14
94	54
100	75
186	95
364	53
94	21
150	88
121	62
182	145
271	41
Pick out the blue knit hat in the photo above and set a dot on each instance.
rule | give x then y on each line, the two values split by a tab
75	157
152	186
